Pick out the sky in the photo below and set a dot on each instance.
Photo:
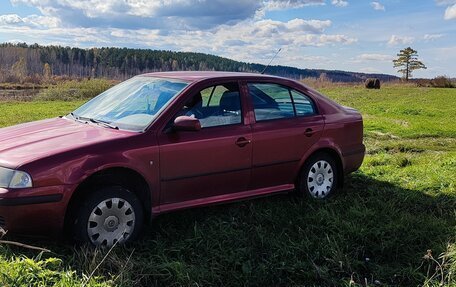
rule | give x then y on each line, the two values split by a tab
349	35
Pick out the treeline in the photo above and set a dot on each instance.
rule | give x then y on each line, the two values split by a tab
31	63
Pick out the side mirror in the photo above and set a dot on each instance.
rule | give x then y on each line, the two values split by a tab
185	123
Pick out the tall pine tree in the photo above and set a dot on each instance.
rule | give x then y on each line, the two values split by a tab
408	61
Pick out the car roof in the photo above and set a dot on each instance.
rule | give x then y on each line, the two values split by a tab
194	76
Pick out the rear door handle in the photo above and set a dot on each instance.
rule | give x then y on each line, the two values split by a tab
242	142
309	132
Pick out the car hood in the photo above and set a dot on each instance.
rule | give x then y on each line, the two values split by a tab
25	143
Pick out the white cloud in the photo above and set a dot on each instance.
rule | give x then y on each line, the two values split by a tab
400	40
450	13
268	34
295	58
339	3
286	4
432	37
300	25
378	6
30	21
42	21
332	39
374	57
10	19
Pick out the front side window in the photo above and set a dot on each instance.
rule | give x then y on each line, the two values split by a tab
133	104
215	106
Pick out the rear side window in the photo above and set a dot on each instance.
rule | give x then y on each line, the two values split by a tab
272	101
303	104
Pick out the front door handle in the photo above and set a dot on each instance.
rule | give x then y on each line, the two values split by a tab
242	142
309	132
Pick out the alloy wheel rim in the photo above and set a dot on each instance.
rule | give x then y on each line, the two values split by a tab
110	222
320	179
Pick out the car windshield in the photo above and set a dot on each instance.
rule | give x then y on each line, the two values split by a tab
131	105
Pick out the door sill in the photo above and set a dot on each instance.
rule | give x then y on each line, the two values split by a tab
221	198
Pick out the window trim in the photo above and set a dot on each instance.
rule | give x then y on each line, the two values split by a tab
293	103
210	96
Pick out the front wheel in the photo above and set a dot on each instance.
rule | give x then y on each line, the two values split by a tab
109	216
318	178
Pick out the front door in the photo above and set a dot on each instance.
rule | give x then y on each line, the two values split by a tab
214	161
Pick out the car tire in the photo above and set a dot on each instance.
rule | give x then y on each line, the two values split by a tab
319	177
108	216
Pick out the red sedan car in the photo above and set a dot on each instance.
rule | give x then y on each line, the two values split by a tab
166	141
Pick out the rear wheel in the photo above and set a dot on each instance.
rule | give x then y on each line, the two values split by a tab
109	216
318	178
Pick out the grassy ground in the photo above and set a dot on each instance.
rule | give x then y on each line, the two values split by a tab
12	113
376	231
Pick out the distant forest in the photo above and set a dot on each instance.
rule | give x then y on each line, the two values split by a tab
32	63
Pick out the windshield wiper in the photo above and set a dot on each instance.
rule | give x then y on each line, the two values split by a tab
95	121
103	123
77	118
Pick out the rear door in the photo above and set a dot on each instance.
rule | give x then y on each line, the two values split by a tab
286	125
214	161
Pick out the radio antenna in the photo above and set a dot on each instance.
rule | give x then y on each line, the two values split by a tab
275	55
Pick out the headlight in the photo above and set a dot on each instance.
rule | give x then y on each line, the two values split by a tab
10	178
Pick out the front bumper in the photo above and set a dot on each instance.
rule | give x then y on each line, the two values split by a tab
38	211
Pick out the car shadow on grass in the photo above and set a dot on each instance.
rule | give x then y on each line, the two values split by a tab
371	230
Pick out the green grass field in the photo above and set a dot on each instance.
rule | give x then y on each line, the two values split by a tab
376	232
